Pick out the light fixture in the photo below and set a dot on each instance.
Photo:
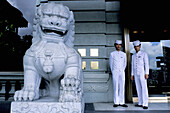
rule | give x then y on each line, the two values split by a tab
142	31
135	31
165	30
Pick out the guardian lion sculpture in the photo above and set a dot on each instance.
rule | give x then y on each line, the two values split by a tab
52	55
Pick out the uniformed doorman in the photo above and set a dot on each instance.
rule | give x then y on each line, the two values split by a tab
140	71
118	64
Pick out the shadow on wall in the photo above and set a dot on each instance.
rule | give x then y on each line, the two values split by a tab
5	106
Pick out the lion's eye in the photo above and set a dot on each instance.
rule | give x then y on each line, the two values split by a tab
64	19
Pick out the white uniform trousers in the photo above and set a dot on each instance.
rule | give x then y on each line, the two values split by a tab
118	86
142	90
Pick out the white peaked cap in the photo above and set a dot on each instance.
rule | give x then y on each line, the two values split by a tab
136	43
118	42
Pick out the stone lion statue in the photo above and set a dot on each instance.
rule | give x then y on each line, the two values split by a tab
52	55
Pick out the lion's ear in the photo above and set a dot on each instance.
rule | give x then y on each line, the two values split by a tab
71	17
39	9
70	36
39	13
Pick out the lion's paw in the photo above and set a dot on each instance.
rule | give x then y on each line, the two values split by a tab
25	95
70	83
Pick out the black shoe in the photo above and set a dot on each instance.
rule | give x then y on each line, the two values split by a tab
123	105
115	105
137	105
145	107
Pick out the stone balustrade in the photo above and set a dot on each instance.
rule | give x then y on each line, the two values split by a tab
9	83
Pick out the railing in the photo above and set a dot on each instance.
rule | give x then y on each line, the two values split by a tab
13	81
9	83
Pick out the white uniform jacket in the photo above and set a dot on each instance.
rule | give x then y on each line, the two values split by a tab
140	63
117	61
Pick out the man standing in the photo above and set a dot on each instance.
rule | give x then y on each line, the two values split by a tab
140	71
118	64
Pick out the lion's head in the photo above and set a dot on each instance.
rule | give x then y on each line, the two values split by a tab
54	22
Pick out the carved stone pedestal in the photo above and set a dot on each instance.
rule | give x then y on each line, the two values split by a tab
41	106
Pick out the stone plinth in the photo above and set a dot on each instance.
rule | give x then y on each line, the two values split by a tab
42	106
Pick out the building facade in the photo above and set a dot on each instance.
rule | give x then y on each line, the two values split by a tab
97	26
98	23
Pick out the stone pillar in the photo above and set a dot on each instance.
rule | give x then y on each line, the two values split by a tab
2	91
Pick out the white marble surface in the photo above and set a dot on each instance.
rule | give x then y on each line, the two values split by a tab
109	107
46	107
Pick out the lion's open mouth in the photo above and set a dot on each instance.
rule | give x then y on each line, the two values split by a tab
54	32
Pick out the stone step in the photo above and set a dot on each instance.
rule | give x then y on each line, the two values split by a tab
108	108
153	111
89	108
96	78
154	99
